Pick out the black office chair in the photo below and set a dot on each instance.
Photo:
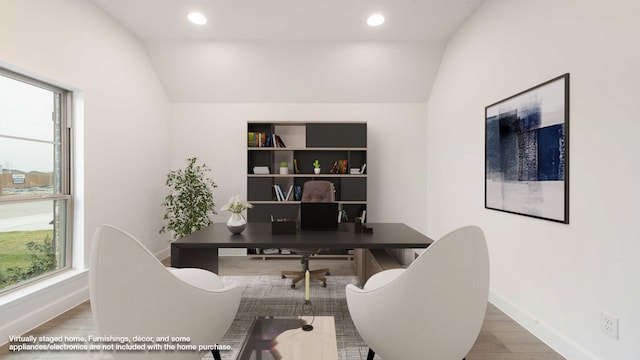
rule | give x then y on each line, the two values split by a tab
312	191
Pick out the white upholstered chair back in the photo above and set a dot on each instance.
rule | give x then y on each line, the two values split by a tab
432	310
133	294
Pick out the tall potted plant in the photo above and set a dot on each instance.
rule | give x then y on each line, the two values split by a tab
190	200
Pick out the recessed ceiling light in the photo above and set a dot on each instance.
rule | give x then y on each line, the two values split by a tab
375	20
197	18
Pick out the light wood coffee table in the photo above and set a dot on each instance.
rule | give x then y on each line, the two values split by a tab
282	338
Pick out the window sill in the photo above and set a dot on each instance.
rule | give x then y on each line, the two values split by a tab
45	285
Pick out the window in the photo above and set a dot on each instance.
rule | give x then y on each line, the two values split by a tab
35	195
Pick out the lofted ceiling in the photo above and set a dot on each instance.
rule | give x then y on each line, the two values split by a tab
293	50
291	19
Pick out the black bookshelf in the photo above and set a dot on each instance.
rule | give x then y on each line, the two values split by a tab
328	142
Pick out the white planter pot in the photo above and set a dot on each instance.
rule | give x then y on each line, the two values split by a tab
316	171
284	170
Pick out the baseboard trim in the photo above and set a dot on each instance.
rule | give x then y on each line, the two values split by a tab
163	254
554	339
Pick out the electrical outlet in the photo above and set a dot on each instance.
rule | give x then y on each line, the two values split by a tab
609	324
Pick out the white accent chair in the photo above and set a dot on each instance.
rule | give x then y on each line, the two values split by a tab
134	294
434	308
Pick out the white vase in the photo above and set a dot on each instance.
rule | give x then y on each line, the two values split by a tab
236	223
284	170
316	171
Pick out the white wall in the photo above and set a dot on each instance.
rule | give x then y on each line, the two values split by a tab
296	71
216	134
123	116
551	277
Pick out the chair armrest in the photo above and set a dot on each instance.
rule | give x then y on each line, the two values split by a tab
382	278
378	309
203	279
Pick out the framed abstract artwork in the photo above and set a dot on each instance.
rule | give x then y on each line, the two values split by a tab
527	152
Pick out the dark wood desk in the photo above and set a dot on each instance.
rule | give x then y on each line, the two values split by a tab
200	249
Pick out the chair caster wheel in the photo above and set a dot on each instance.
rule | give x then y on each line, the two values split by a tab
324	284
328	273
293	286
284	277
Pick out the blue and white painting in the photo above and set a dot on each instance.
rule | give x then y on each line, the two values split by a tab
526	158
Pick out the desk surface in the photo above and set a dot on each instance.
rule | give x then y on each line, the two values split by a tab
258	235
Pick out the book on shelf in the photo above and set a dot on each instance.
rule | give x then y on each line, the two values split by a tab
251	139
343	217
278	190
296	170
289	193
257	139
297	192
278	141
270	251
339	167
363	168
281	195
264	139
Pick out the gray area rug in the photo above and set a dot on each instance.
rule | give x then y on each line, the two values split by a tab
273	296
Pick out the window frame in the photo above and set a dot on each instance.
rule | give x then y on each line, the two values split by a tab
62	109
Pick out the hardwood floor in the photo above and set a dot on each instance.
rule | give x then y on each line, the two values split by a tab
501	338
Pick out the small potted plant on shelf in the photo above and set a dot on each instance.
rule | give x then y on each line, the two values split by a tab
316	167
284	168
237	222
190	200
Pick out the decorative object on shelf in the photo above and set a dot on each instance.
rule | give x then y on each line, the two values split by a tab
527	152
237	222
261	170
316	167
284	168
190	200
295	167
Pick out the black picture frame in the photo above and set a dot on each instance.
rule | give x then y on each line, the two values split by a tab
527	152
